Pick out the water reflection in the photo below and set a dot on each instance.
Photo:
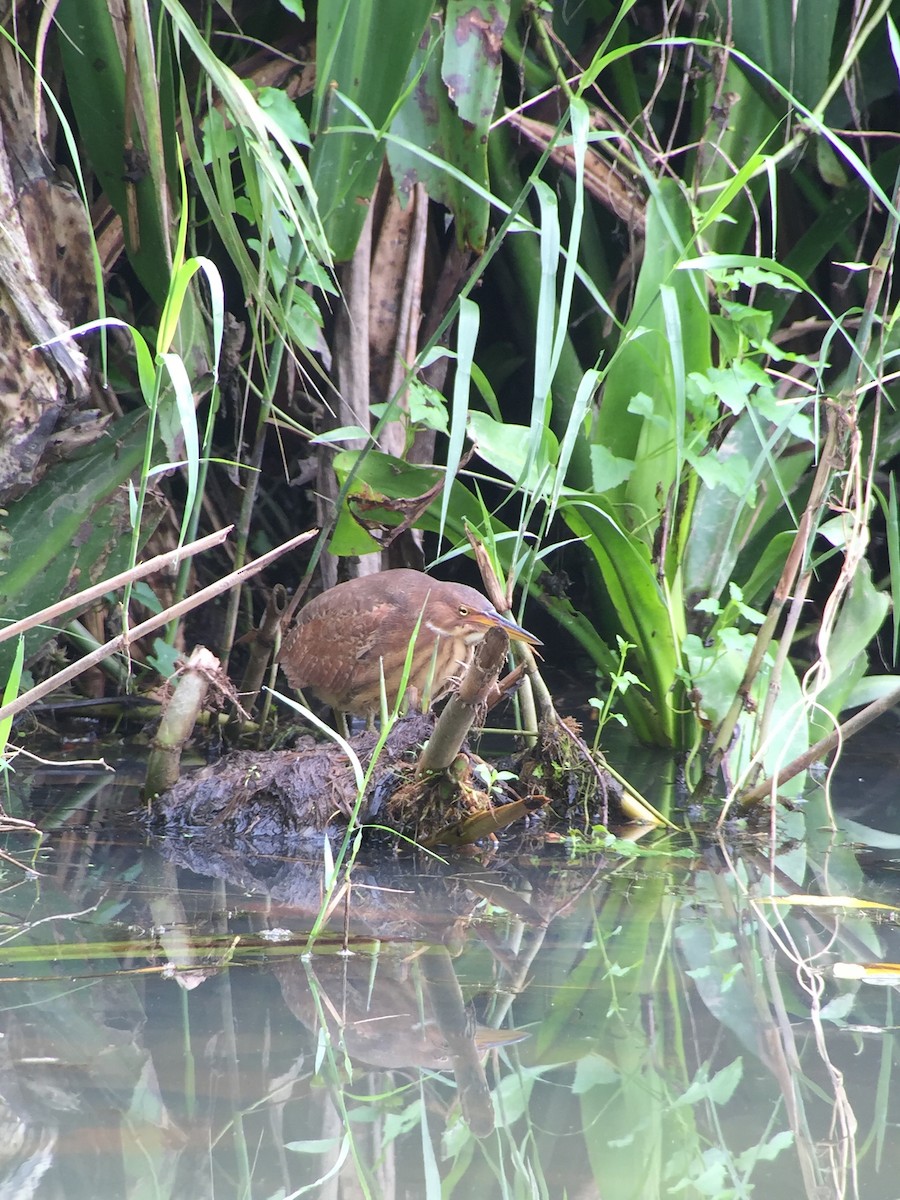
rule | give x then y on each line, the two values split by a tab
625	1026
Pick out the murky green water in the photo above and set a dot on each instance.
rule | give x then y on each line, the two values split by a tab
542	1024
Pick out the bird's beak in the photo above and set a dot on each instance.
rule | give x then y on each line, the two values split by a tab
511	629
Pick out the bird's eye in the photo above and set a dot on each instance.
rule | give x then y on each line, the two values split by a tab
463	611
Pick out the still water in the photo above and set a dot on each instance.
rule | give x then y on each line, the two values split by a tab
668	1016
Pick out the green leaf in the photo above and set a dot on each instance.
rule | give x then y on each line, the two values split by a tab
667	337
608	471
451	93
716	1090
645	617
473	41
861	616
95	80
11	690
363	53
71	529
505	447
426	406
791	41
466	336
284	113
732	473
378	477
716	672
180	420
830	165
892	535
342	434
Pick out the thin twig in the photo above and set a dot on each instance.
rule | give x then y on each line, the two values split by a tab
161	562
824	746
796	559
124	640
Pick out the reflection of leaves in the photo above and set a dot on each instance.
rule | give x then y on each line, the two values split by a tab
716	1089
708	966
838	1009
717	1168
767	1151
867	836
626	848
594	1070
313	1145
513	1093
324	1147
511	1097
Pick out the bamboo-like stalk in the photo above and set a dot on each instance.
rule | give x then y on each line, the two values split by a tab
457	718
535	688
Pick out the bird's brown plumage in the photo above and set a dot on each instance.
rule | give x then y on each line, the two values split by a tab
345	637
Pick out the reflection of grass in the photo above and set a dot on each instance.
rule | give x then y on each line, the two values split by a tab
207	950
680	984
683	1025
585	844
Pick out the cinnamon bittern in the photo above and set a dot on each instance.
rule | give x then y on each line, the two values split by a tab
346	638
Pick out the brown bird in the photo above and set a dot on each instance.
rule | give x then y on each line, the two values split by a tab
346	637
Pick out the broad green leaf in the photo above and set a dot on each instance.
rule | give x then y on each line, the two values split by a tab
717	670
285	112
609	471
386	475
642	612
454	108
505	447
645	363
870	688
861	616
428	120
722	524
379	478
363	53
95	79
732	474
790	39
70	530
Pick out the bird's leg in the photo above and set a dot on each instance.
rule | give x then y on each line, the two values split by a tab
343	723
